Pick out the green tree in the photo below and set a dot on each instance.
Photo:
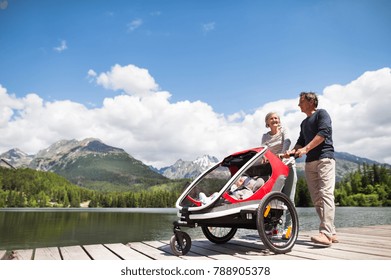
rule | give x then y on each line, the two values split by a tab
370	186
302	197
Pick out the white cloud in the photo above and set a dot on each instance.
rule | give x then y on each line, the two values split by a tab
207	27
143	121
134	24
62	47
131	79
156	13
91	76
362	115
91	73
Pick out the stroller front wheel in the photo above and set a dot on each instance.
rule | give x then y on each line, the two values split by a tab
180	243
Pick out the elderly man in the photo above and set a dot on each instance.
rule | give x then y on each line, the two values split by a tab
315	141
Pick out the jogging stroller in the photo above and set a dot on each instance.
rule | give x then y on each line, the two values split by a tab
244	190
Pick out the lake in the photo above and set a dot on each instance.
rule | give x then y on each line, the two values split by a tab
22	228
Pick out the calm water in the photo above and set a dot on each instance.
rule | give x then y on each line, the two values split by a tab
33	228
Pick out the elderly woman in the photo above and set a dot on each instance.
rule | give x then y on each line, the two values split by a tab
278	141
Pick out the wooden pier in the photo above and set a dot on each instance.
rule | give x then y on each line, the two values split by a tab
363	243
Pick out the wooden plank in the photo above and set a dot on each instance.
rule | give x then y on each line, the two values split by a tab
126	252
257	251
100	252
74	253
22	254
152	252
350	248
308	255
307	250
3	254
348	255
371	252
354	235
50	253
216	248
366	235
167	249
337	251
367	243
380	231
243	249
240	249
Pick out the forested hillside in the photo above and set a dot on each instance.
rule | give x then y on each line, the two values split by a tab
30	188
370	185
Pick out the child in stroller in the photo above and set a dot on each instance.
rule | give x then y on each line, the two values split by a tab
243	188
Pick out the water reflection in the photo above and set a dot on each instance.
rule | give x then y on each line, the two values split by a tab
32	229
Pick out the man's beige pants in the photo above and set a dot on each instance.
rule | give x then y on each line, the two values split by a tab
320	176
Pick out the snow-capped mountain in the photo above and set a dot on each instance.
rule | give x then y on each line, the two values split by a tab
17	158
188	169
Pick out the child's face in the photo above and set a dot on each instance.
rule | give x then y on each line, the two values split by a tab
240	181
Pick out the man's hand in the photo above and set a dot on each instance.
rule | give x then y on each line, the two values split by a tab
288	154
300	152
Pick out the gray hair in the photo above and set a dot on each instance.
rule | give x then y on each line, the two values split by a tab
268	115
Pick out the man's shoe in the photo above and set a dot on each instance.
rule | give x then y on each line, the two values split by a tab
321	239
334	239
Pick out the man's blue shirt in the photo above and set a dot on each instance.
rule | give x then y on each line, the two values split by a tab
319	123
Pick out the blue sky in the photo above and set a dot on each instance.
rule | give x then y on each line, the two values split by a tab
235	59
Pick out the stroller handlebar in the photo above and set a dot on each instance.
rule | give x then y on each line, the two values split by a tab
288	160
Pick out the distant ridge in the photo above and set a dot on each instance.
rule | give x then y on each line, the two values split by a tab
89	163
354	159
188	169
94	164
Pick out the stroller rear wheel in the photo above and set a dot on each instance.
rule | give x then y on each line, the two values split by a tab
277	222
180	243
218	235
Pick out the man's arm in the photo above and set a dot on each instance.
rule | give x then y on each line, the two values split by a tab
314	143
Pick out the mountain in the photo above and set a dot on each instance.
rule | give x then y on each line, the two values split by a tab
17	158
92	164
354	159
188	169
64	152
